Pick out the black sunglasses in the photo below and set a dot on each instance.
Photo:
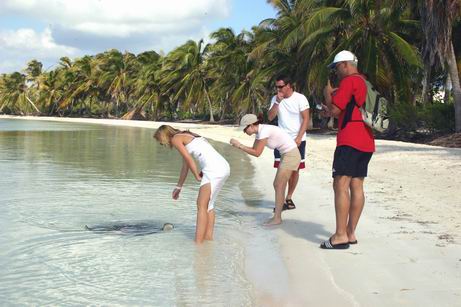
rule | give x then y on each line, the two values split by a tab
280	86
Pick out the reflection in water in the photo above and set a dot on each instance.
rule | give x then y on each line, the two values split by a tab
204	264
58	177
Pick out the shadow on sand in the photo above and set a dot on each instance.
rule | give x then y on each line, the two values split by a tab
310	231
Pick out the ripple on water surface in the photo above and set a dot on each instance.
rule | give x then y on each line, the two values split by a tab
82	216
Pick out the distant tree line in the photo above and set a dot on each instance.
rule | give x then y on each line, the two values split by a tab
407	49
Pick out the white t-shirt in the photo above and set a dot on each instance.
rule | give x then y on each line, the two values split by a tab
276	138
289	113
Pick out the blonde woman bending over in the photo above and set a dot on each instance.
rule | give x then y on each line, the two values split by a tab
214	173
272	137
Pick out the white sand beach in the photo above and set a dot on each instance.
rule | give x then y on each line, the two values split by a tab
409	236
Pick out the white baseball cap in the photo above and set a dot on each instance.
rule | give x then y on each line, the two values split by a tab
246	120
343	56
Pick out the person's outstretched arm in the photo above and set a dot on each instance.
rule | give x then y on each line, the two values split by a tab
256	150
179	145
182	178
183	174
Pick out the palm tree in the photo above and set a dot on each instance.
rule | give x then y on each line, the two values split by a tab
228	64
437	19
251	92
50	91
146	86
185	71
118	73
86	78
80	84
13	93
33	73
278	41
378	32
66	85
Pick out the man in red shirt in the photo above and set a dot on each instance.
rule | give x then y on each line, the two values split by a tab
354	147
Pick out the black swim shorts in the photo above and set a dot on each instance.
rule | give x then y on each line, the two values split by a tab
351	162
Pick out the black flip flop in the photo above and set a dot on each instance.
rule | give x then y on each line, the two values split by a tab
329	245
353	242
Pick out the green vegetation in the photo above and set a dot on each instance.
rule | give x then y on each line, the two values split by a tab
406	48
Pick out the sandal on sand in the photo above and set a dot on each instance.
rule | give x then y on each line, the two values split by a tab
329	245
290	204
353	242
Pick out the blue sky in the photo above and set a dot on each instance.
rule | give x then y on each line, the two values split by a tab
46	30
245	14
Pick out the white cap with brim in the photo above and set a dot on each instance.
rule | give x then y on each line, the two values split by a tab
343	56
246	120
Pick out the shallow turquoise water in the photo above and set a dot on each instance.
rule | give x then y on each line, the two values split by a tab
58	178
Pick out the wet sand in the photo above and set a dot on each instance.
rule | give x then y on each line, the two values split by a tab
409	250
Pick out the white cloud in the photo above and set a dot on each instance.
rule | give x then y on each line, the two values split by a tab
120	18
82	27
20	46
41	44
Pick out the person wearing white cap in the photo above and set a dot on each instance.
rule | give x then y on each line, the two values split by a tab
274	138
355	146
292	111
343	56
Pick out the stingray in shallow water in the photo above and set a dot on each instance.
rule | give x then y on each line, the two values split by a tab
167	227
131	228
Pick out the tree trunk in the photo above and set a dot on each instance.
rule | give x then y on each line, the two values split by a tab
171	106
70	108
224	107
223	110
3	105
446	94
209	105
32	104
54	105
426	83
135	114
454	75
116	111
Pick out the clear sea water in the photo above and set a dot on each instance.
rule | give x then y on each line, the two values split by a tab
81	211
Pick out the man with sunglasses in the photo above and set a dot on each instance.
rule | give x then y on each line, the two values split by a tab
354	147
292	111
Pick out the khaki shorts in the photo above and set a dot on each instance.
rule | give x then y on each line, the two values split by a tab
290	160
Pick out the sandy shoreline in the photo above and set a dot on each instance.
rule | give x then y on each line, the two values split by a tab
409	250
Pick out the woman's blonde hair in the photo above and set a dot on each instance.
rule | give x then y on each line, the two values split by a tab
164	134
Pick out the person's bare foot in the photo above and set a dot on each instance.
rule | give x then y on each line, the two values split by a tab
339	240
273	221
352	239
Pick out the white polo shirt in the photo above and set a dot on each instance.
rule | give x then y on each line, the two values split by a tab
289	113
276	138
